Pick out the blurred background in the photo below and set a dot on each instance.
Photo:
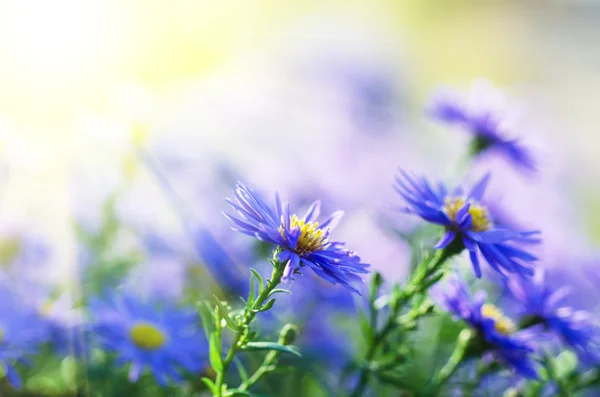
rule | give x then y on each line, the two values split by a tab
308	99
123	124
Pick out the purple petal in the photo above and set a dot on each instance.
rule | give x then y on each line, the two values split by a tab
479	188
446	239
332	221
313	212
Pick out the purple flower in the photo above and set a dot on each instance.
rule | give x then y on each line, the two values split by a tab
482	114
495	332
143	335
302	241
544	304
467	224
22	331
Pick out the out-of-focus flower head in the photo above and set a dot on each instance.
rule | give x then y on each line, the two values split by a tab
162	272
302	241
467	224
164	340
494	331
545	304
484	114
22	331
68	329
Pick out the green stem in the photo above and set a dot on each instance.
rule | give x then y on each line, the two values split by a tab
587	379
240	336
453	363
268	365
420	283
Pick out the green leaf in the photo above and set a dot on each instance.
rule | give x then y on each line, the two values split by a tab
215	353
259	278
251	295
211	385
241	370
236	392
565	364
272	346
278	290
205	313
267	306
225	314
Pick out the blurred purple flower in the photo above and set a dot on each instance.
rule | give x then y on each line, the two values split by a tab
164	340
483	114
493	329
22	331
545	304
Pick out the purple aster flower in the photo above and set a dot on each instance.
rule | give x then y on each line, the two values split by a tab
544	304
495	333
165	341
22	331
302	241
483	114
468	224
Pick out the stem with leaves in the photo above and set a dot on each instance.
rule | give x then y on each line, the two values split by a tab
243	340
428	273
453	363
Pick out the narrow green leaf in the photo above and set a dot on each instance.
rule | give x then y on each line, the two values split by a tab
223	311
240	368
215	353
267	306
236	392
278	290
364	325
259	278
251	295
211	385
205	316
272	346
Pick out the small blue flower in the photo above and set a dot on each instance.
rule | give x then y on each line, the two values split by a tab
303	241
545	304
481	114
467	223
143	335
22	331
494	330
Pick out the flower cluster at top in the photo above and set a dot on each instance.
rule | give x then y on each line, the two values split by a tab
302	241
468	224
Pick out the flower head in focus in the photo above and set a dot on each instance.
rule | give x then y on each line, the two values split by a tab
482	114
467	224
302	241
544	304
495	332
143	335
22	331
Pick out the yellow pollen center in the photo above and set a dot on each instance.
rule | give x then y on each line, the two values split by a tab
502	323
311	237
147	336
480	220
10	248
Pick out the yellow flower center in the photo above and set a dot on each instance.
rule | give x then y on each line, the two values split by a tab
480	220
502	323
311	237
10	248
147	336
